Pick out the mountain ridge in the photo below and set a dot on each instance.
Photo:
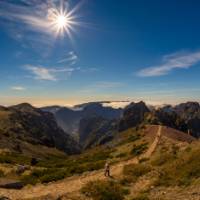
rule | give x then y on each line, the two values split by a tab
24	123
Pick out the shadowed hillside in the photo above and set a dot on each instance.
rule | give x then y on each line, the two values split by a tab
23	124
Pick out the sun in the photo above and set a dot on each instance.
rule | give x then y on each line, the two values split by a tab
61	21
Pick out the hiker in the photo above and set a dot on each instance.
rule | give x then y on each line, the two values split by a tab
107	170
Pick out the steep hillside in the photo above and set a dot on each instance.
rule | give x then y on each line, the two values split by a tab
94	131
25	124
140	161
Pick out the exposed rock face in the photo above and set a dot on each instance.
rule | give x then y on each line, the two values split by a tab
24	123
188	110
190	113
95	131
184	117
168	117
133	115
68	120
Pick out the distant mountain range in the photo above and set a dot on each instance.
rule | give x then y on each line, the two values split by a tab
94	123
69	119
87	125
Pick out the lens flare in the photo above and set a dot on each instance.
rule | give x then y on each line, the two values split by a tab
61	21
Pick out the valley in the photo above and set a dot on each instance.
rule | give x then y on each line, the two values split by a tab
144	147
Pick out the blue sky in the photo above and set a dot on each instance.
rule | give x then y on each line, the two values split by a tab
112	50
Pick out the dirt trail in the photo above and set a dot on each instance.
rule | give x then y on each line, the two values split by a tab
75	183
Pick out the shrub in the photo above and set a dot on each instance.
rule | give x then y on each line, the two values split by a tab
139	149
58	168
133	171
134	137
28	179
162	159
14	158
142	196
88	166
104	190
121	155
49	177
44	176
75	161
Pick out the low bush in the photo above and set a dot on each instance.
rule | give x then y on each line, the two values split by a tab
64	161
142	196
134	137
14	158
58	168
104	190
121	155
44	176
139	149
162	159
133	171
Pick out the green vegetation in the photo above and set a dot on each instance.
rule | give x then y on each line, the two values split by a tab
129	135
44	176
57	168
181	171
14	158
133	171
91	157
162	159
104	190
139	149
121	155
134	137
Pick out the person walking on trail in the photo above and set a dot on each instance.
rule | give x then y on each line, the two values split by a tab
107	170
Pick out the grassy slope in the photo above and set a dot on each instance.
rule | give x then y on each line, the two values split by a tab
147	180
53	165
172	172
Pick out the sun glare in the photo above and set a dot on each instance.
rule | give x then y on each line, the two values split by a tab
61	21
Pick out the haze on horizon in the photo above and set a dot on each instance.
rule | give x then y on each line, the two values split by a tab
64	52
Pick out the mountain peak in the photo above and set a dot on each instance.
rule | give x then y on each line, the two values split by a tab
24	107
133	115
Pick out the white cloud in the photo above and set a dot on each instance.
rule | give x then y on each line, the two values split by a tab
170	62
49	74
30	21
18	88
35	15
71	57
117	104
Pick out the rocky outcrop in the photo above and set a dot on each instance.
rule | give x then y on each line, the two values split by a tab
133	115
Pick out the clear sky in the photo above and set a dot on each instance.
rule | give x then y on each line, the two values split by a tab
104	50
